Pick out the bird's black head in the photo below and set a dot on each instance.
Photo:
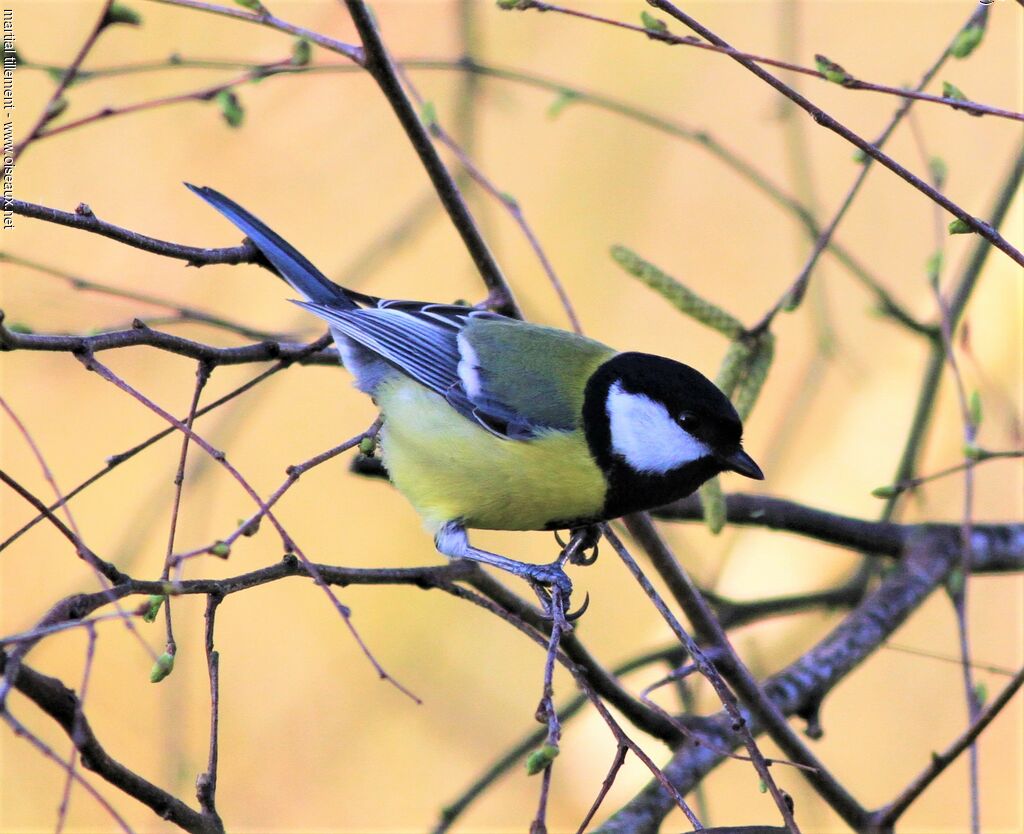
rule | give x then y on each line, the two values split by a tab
659	429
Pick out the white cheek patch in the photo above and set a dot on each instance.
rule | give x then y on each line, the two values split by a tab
469	369
646	436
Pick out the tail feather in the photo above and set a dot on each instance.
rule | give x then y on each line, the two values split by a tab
291	264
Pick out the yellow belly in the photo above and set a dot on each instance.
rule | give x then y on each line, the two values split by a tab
450	468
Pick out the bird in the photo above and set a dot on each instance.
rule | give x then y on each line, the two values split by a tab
492	422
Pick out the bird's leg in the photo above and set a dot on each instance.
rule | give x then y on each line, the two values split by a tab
581	540
452	541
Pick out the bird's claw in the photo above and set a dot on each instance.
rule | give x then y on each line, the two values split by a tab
583	539
572	616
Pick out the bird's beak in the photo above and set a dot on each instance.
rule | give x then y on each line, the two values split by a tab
739	461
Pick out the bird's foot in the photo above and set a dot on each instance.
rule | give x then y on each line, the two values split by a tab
553	588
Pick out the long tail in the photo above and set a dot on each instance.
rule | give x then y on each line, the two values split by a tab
291	264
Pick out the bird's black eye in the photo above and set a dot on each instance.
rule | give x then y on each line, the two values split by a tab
689	421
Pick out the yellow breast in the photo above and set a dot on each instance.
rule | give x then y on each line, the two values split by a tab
450	468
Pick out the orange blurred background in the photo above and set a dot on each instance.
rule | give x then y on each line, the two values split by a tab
310	738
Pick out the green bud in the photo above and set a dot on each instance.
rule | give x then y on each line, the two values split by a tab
955	582
509	200
368	445
508	4
793	299
885	492
55	108
155	601
933	266
564	98
832	71
254	5
301	52
652	23
973	452
974	407
230	107
19	327
980	693
959	227
120	13
221	549
953	92
428	115
713	502
937	165
967	41
540	759
676	294
860	157
763	786
162	668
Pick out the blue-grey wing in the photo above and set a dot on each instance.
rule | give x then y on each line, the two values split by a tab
421	341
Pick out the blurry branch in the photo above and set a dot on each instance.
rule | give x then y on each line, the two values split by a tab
975	456
998	547
959	296
378	63
958	587
887	305
373	56
202	94
822	118
832	73
825	120
510	204
265	18
56	103
182	313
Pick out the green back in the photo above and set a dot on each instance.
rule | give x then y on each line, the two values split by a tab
541	372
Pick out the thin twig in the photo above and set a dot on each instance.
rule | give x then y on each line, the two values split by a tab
206	784
707	669
885	818
22	731
69	781
986	230
378	63
50	109
850	83
289	544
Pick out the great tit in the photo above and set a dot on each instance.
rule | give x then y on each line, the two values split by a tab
494	423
